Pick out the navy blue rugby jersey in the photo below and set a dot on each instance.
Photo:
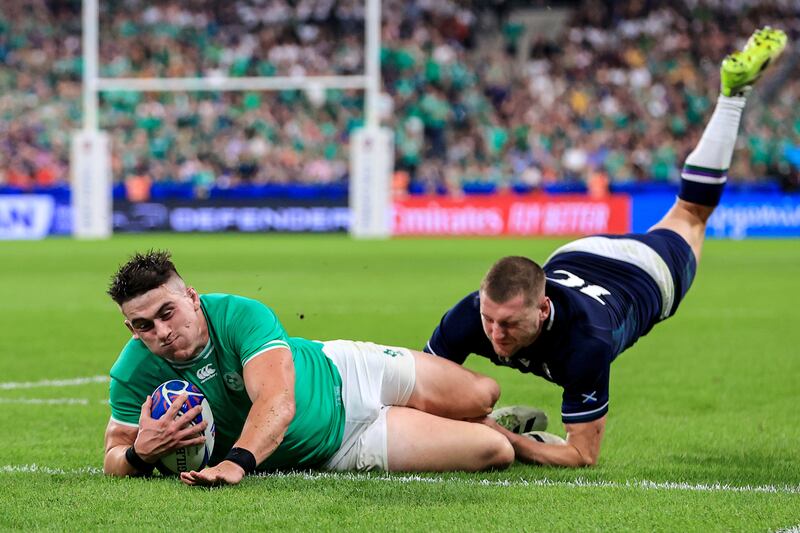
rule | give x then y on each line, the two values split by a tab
600	307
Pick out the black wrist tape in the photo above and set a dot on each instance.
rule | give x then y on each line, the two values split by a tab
141	466
243	458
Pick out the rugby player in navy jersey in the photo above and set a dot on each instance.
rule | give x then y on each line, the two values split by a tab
594	297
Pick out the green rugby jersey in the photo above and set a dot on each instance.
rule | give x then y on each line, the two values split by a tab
240	329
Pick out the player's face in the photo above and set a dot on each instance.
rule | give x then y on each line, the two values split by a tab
514	324
168	320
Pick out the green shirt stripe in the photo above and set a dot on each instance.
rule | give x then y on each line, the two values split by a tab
267	347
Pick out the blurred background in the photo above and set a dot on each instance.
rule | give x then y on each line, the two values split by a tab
485	98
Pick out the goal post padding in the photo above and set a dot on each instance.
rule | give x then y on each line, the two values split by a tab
90	174
371	167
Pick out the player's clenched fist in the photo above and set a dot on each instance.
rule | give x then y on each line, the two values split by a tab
158	437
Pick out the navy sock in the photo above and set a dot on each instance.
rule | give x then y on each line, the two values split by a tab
701	185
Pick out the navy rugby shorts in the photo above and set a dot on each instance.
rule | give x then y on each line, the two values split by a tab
675	252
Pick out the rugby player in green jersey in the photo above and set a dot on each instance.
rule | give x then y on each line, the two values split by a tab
282	402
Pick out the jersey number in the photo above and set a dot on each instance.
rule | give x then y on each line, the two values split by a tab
574	282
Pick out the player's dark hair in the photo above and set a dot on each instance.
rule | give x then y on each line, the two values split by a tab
511	276
143	272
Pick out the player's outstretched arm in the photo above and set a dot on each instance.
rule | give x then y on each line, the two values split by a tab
269	379
151	440
117	440
581	449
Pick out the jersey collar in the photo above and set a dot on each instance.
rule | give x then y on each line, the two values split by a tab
552	316
204	353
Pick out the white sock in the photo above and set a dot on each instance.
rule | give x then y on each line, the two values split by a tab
715	149
706	169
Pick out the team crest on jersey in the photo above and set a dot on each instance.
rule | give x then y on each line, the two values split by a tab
205	373
233	381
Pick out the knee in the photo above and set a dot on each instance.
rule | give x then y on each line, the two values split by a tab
487	394
499	453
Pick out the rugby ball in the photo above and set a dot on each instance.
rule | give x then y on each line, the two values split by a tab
190	457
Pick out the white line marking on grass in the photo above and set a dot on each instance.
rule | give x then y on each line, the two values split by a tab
410	478
520	482
46	401
51	383
55	401
38	469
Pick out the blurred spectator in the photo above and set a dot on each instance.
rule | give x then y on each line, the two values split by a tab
137	186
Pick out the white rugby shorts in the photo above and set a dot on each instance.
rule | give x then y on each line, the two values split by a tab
374	378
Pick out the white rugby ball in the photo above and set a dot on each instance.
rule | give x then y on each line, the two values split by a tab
189	457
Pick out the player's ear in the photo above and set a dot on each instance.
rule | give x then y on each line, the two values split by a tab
192	293
130	327
544	307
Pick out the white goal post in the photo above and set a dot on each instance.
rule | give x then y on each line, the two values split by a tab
371	147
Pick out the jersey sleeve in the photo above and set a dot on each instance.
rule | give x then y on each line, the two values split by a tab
254	329
458	332
125	403
134	375
585	396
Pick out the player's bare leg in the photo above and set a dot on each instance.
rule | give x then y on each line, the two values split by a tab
704	173
422	442
447	389
688	220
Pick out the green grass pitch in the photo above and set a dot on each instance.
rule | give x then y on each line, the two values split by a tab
702	434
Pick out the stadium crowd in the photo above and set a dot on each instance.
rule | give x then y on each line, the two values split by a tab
620	95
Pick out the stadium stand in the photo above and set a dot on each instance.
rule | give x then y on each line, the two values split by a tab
485	96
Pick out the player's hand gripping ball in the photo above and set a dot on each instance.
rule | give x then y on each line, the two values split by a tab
190	457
